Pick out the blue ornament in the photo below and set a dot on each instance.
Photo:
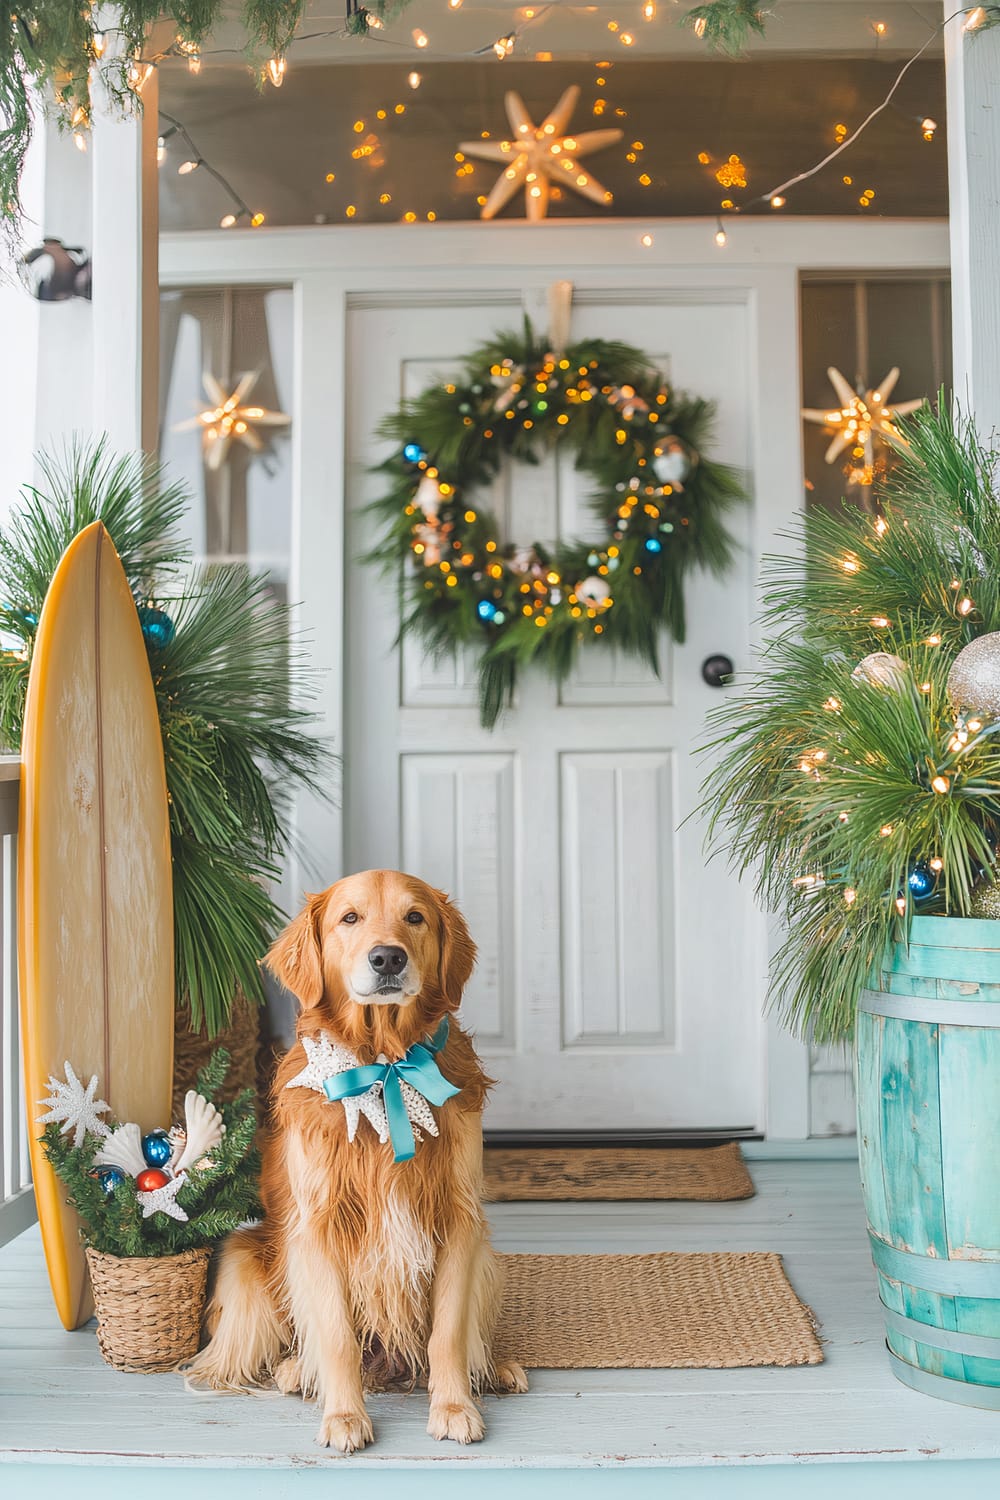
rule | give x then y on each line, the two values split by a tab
921	881
413	453
157	627
110	1178
653	544
486	610
156	1148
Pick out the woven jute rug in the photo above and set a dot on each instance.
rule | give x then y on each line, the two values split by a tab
642	1312
710	1174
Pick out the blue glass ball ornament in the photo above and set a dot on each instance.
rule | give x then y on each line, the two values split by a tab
110	1178
486	610
156	1148
921	881
157	626
413	453
653	544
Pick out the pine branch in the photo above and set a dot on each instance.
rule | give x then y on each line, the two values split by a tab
831	789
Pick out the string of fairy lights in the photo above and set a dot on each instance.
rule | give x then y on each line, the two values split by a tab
730	174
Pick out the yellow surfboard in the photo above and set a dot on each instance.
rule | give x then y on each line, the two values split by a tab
95	899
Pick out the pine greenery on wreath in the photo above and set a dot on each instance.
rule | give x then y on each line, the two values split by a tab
660	500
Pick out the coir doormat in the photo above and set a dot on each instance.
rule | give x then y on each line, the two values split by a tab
714	1174
671	1311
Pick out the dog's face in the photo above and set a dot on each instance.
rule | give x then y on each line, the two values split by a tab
376	939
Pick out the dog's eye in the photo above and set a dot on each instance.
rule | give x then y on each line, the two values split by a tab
414	918
350	918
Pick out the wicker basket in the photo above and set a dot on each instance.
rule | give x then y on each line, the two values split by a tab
149	1308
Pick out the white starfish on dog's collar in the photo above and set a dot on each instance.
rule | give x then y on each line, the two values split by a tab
325	1057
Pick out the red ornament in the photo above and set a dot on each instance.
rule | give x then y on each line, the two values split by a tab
151	1179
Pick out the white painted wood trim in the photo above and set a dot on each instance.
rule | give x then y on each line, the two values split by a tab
972	73
125	307
395	255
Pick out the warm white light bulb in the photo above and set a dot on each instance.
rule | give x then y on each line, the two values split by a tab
777	201
420	38
194	62
414	80
720	237
649	10
928	127
276	69
974	19
227	221
187	167
79	140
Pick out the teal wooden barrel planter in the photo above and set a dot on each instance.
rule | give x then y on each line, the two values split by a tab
928	1092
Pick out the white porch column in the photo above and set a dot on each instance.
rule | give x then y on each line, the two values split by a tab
126	296
972	64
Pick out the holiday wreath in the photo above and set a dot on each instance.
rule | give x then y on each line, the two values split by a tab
660	499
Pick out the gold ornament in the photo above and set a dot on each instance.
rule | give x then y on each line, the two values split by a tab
229	419
882	669
974	679
985	900
861	421
539	156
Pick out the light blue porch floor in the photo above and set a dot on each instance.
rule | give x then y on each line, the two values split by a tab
721	1432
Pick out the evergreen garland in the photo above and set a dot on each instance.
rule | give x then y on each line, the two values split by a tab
216	1199
727	25
229	677
514	399
55	49
846	792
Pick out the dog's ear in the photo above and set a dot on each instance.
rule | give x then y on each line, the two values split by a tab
458	952
296	957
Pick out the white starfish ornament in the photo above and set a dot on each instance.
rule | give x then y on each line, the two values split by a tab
539	156
163	1200
862	420
74	1107
230	419
324	1057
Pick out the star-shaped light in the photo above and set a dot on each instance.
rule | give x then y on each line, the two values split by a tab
539	156
74	1107
324	1058
229	419
163	1200
861	421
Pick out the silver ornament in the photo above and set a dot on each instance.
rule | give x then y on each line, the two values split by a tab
672	466
593	593
974	679
882	669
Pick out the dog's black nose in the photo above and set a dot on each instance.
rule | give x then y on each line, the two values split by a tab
385	959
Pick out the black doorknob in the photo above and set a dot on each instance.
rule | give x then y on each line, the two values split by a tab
717	671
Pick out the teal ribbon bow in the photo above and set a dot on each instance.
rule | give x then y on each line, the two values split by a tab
417	1068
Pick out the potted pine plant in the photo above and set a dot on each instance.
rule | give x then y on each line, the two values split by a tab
857	779
230	682
151	1208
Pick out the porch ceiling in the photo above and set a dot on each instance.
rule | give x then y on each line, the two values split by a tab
279	148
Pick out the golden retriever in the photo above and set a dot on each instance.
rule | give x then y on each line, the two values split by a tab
366	1267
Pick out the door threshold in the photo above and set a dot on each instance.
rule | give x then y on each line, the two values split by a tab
569	1138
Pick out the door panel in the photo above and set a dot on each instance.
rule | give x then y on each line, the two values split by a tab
619	973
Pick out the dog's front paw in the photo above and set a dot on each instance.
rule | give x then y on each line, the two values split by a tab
461	1421
510	1377
288	1376
347	1431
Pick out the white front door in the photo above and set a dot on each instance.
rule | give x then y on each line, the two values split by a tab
619	974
